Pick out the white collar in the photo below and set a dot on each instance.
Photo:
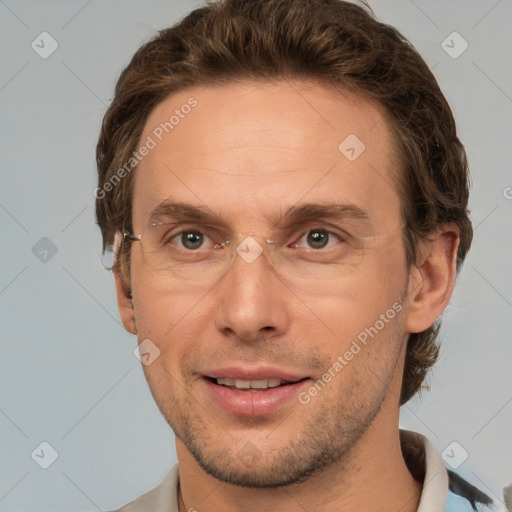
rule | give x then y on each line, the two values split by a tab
435	483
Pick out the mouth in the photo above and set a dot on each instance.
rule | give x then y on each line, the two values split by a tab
253	393
252	385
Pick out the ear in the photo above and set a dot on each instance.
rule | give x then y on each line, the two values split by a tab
432	279
124	303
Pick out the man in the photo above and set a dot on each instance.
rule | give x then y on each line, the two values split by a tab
285	194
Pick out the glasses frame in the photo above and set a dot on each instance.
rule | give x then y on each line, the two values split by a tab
127	236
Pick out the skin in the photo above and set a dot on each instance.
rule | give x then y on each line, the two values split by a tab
248	152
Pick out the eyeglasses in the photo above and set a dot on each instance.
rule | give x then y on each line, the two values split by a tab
201	254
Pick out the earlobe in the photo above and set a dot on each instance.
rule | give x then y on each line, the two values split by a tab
432	279
124	303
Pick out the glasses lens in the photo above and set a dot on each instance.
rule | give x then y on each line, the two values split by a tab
197	254
190	254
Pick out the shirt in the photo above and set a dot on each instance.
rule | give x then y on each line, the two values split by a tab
435	495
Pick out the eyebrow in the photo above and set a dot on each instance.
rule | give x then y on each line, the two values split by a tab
295	214
334	211
170	208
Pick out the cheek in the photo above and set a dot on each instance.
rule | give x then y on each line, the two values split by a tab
363	309
175	325
162	305
177	321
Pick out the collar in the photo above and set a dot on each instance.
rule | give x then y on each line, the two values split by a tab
435	480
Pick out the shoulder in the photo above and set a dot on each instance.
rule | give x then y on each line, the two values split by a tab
443	489
462	492
162	498
456	503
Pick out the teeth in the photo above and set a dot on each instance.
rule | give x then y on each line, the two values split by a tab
251	384
242	384
273	383
255	384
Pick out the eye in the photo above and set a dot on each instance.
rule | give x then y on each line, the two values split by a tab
317	239
192	240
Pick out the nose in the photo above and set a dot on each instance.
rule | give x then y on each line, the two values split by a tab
252	300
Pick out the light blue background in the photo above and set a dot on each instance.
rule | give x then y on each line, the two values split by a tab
68	375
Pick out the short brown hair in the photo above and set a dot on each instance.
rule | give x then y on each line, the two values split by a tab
333	42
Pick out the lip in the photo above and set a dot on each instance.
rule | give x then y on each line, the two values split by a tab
254	403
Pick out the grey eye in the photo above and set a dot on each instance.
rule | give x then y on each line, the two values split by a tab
192	239
318	238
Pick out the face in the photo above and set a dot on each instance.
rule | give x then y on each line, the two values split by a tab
317	313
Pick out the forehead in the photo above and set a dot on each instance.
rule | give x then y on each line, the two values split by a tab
247	149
